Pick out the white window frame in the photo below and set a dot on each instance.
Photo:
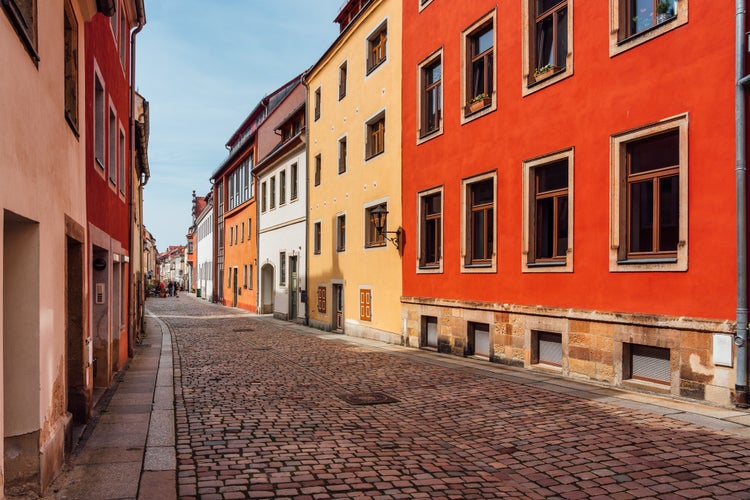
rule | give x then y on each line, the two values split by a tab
427	61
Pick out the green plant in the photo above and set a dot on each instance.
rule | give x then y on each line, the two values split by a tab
544	69
478	98
663	7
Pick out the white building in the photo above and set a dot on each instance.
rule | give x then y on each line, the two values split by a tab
205	258
282	209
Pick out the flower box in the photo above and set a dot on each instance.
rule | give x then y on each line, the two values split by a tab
478	104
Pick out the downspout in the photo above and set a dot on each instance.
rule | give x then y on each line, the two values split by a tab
740	387
134	294
307	200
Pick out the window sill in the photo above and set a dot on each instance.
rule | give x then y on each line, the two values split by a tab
561	263
666	260
368	158
72	125
372	68
478	268
647	31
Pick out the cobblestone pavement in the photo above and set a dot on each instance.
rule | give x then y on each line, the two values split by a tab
260	414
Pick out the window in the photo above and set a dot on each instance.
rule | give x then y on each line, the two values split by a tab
423	4
431	229
112	147
479	223
479	76
282	187
341	233
645	14
113	20
342	155
250	276
547	348
99	121
375	136
316	238
322	299
242	233
431	95
231	236
249	229
122	161
342	81
22	14
317	104
71	67
649	363
650	174
365	304
293	182
123	38
478	340
317	170
548	213
372	237
272	193
428	337
633	22
282	269
263	197
376	45
550	37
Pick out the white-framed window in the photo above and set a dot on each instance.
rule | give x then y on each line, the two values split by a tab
122	161
377	42
99	121
112	144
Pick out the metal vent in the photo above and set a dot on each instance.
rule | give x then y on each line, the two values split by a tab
650	363
550	348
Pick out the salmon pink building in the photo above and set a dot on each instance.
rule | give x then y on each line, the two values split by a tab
569	189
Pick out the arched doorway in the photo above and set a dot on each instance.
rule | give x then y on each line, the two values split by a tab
266	289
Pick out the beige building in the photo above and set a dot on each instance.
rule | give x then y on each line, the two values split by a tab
43	204
354	175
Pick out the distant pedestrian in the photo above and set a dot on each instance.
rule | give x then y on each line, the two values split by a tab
170	288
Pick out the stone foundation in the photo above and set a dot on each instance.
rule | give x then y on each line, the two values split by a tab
594	345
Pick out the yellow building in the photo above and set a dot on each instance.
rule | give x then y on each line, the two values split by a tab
354	171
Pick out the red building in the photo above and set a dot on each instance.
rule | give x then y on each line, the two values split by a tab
548	152
109	148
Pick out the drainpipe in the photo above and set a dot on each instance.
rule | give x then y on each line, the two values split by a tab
134	294
307	200
740	387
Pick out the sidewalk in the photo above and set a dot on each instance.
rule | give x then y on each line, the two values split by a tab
128	450
130	453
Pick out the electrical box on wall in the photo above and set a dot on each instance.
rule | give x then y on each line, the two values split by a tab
99	295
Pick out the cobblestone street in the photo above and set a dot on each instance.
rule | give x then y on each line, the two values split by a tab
262	412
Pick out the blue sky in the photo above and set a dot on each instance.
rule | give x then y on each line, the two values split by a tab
203	66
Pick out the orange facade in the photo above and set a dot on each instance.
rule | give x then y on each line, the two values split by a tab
239	249
686	71
568	188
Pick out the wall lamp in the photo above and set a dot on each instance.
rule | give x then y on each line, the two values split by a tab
379	217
